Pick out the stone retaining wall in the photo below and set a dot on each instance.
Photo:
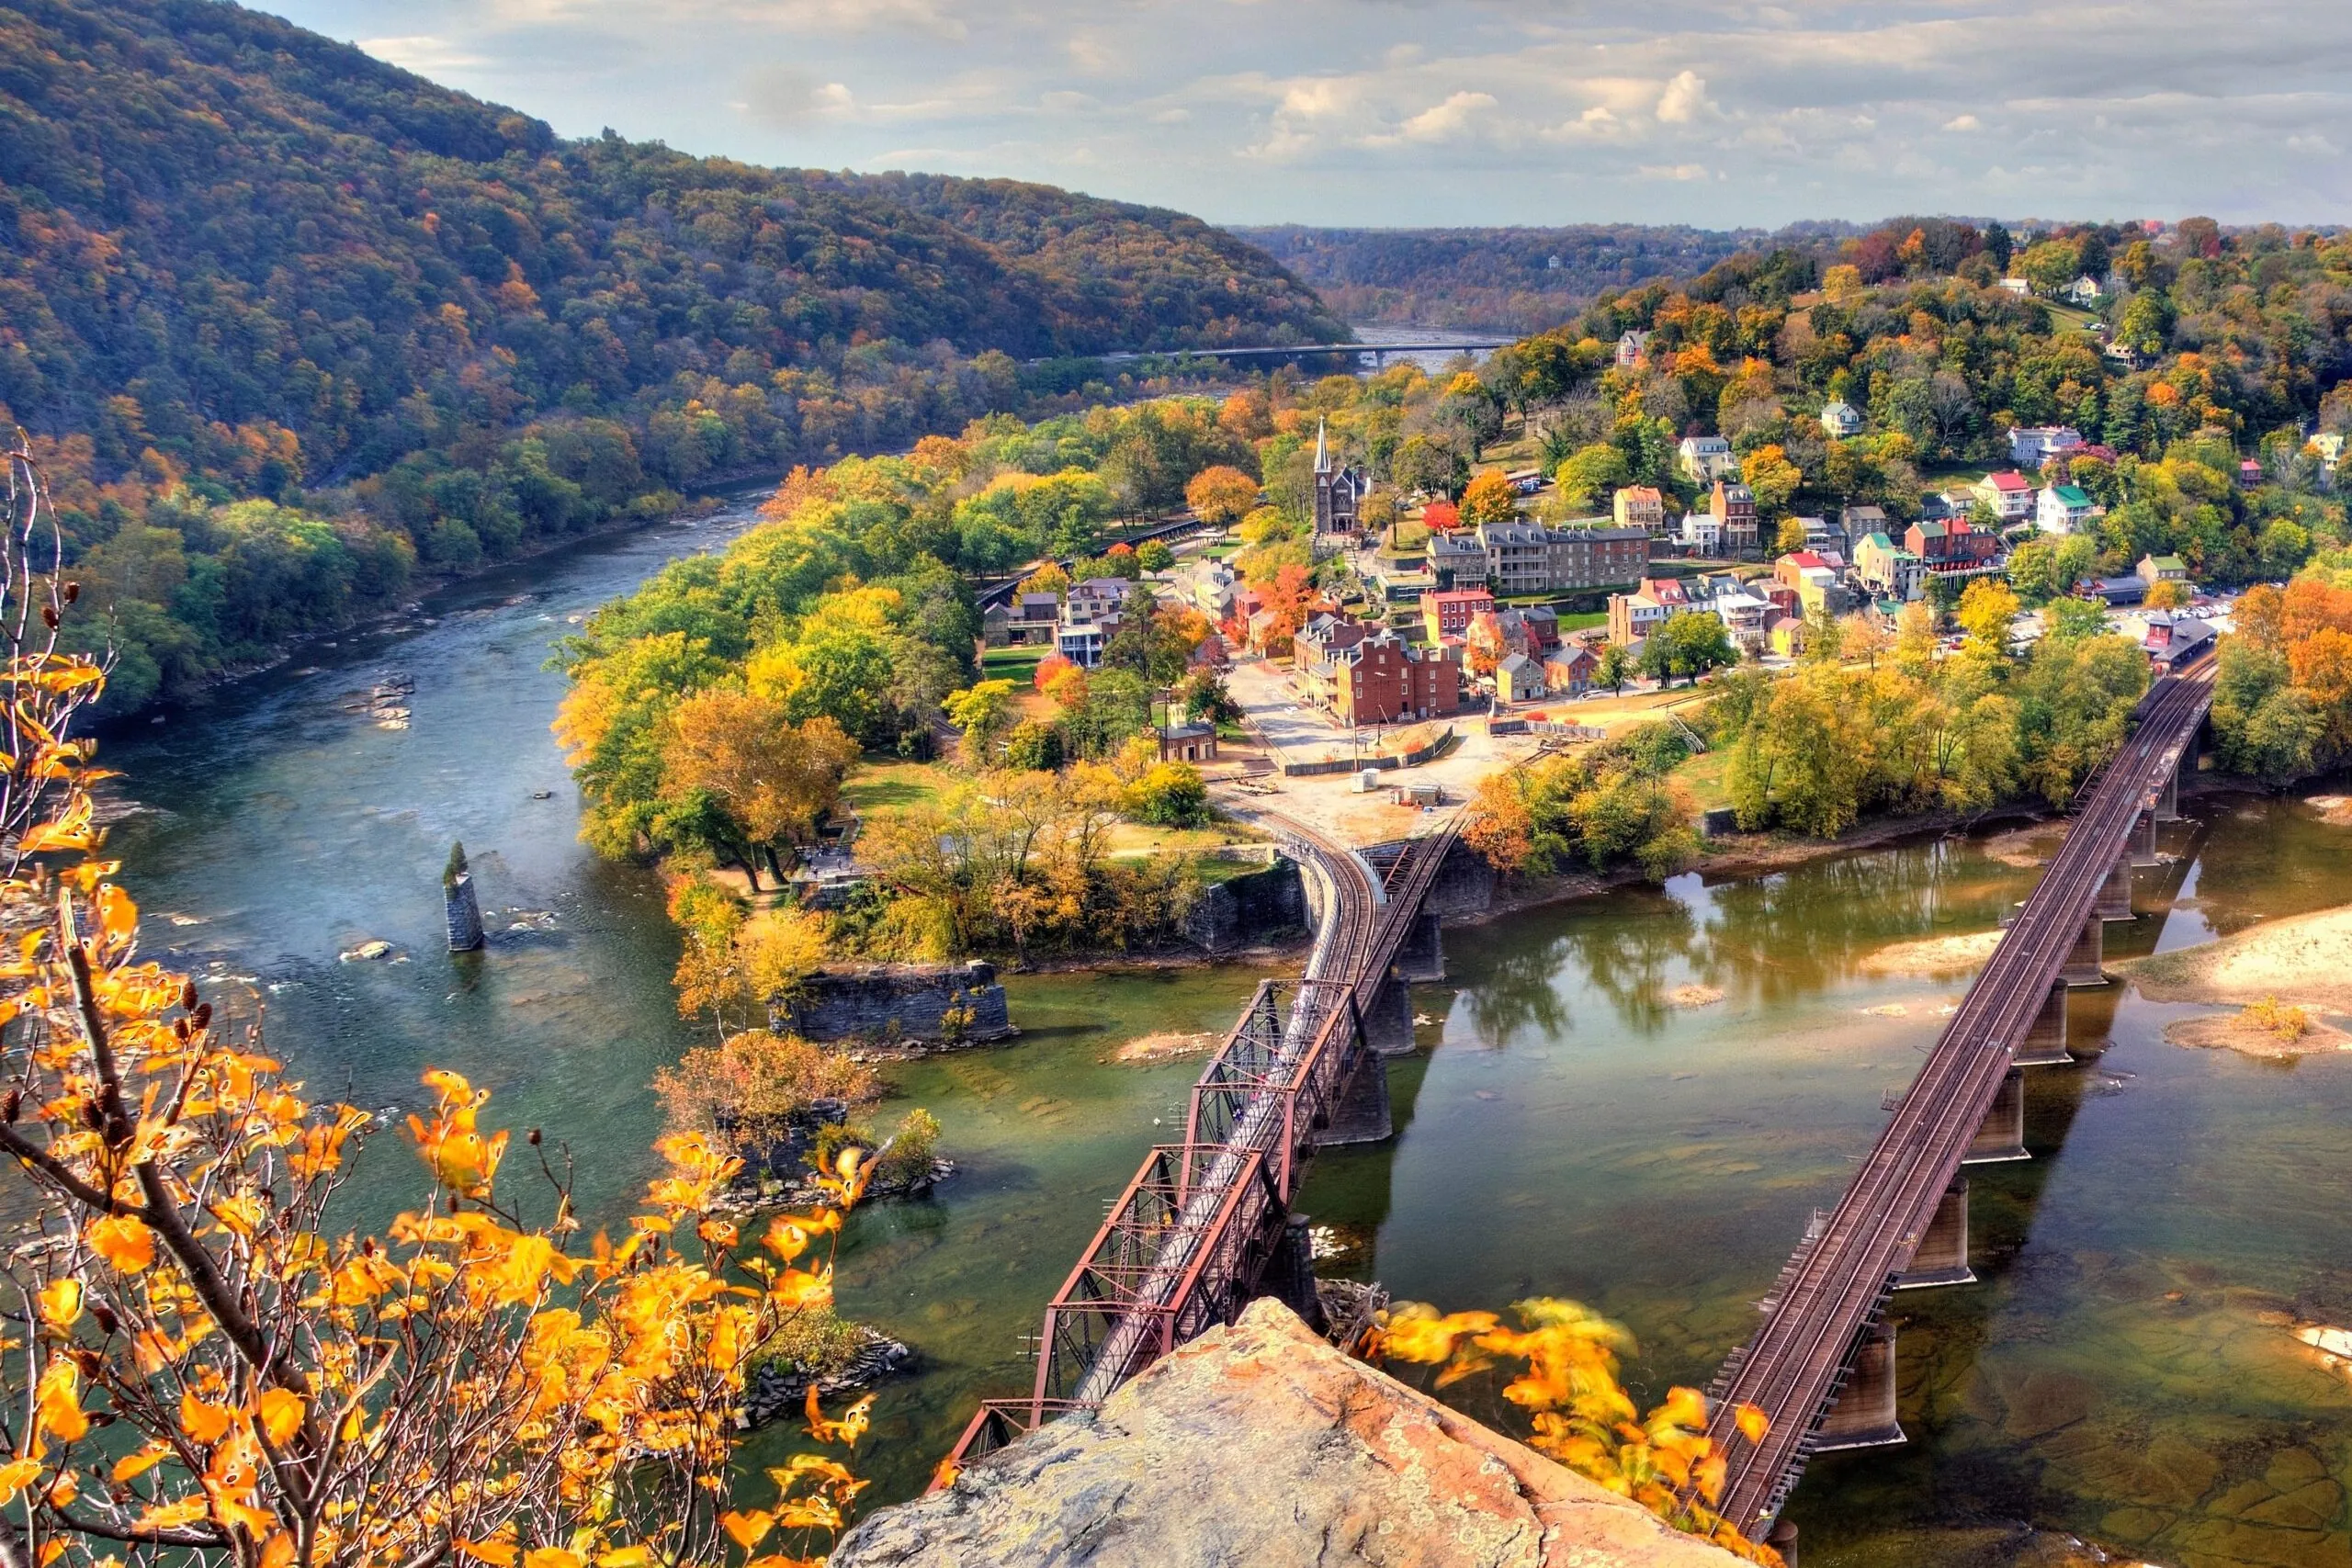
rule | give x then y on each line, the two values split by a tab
898	1002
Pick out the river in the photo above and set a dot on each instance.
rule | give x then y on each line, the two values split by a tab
1583	1120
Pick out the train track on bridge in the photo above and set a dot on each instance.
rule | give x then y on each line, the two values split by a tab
1187	1245
1834	1290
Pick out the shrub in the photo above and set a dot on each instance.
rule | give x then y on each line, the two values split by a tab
746	1090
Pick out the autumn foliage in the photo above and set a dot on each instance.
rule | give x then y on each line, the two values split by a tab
1563	1371
208	1371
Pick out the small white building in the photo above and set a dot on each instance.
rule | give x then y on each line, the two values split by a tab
2085	291
1701	534
2064	509
1840	419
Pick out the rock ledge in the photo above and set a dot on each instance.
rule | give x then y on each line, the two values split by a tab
1261	1445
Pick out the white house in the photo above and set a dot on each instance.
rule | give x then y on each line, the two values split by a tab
2017	285
1701	534
1840	419
1707	458
2063	509
2084	290
1631	347
2031	446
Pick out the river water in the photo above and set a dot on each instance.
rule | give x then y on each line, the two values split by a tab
1583	1120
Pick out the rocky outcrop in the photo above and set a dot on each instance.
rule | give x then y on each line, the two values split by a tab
1261	1445
1248	910
937	1004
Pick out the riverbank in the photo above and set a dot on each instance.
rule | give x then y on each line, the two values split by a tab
2302	961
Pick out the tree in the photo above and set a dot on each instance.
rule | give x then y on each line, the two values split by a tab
1614	669
742	1093
1050	670
2168	593
1688	643
271	1393
984	713
1986	610
1221	495
1773	477
1170	795
1155	555
1790	537
772	780
1205	698
1048	579
1489	499
2068	618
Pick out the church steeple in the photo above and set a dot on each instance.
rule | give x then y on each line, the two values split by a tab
1322	450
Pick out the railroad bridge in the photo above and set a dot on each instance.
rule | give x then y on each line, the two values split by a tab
1821	1364
1207	1225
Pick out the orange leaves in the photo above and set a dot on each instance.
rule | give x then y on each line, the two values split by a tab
126	1243
279	1413
1752	1422
60	1304
205	1422
845	1431
15	1476
460	1159
747	1529
57	1404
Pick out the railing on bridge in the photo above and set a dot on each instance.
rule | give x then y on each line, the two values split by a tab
1831	1293
1186	1245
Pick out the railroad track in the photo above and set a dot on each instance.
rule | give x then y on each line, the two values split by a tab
1185	1244
1834	1290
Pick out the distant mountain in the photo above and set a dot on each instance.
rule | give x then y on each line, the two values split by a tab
1498	279
242	260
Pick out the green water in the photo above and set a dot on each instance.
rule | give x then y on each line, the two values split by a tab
2120	1372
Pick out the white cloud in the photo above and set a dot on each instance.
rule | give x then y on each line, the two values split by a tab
1452	111
1685	98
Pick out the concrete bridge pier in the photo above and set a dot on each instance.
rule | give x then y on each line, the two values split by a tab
1420	957
1864	1416
2168	802
1942	1256
1389	1021
1289	1273
2082	967
2144	840
2114	901
2001	1135
1360	1112
2044	1044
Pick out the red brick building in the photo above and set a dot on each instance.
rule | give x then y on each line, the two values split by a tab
1448	614
1384	680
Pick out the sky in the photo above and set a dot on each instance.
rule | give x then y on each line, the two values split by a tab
1415	113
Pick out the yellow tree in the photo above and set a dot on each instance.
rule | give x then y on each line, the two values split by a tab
1489	499
1987	606
1221	496
207	1372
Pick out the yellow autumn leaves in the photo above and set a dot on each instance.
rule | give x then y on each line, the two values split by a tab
1563	1365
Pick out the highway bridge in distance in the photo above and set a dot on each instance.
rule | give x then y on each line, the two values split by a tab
1379	351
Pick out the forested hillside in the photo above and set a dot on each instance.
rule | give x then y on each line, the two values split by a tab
293	320
1488	279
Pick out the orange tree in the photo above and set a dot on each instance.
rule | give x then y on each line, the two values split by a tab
204	1371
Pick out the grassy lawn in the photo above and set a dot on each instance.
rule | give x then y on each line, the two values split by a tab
1135	839
1704	776
1013	663
892	782
1583	620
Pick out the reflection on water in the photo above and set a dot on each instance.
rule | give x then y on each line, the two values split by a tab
2125	1370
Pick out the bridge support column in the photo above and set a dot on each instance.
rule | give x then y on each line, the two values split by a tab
1420	957
2114	900
2082	967
1388	1023
1942	1257
1782	1538
2045	1043
1289	1273
2144	840
2168	802
1360	1113
2001	1136
1864	1416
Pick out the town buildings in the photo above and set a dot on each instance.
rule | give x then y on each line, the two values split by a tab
1339	491
1458	560
1632	617
2009	493
2064	509
1954	547
1640	506
1886	569
1733	506
1384	680
1706	458
1529	558
2163	569
1701	534
1447	612
2031	446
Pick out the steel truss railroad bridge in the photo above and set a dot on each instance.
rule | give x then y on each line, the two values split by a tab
1206	1224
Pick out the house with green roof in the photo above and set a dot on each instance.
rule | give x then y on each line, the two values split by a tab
2064	509
1886	568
